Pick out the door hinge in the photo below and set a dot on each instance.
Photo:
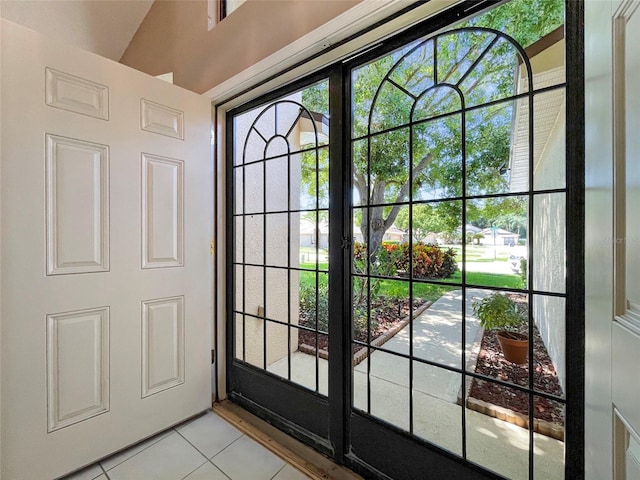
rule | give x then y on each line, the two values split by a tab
213	247
346	243
213	356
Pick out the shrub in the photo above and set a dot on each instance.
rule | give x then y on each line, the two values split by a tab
523	272
429	261
309	301
392	259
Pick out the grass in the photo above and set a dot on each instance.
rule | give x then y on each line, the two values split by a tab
499	259
312	266
400	288
313	250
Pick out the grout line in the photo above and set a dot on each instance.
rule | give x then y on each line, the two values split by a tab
161	435
218	468
203	463
196	448
211	459
276	474
103	471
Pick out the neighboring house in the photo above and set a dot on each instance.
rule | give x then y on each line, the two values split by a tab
393	234
312	235
498	236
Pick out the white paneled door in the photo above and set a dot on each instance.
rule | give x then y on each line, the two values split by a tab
106	203
626	327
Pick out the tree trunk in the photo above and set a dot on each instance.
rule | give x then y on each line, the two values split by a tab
377	224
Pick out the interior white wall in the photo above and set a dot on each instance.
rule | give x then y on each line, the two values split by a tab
598	227
104	27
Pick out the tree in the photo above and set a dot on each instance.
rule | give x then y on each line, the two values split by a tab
394	90
429	219
424	222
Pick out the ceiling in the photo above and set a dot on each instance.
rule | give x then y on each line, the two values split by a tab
104	27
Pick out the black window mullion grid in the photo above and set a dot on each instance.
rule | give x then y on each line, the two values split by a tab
530	263
411	319
529	290
435	61
463	136
530	193
244	267
368	270
317	274
459	370
292	152
575	240
289	267
340	370
478	60
480	106
486	196
264	268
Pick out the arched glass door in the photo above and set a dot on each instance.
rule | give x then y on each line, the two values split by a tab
396	221
458	171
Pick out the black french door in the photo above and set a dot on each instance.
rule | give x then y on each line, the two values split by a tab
373	206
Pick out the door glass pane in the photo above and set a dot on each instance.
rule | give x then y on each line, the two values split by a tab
282	180
496	242
449	136
549	243
498	438
435	415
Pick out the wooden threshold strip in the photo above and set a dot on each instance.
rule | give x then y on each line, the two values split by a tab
304	458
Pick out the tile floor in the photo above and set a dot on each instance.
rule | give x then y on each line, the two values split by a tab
206	448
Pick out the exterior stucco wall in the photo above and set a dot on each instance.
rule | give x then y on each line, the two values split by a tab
549	266
174	37
268	247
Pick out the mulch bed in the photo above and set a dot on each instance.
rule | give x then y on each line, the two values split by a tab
491	363
386	314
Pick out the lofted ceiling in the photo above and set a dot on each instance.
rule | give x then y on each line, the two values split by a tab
104	27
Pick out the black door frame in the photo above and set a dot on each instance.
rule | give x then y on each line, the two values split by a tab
327	425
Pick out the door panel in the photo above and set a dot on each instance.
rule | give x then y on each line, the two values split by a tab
450	171
106	272
625	340
278	254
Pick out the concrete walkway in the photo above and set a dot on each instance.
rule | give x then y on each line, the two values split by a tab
437	336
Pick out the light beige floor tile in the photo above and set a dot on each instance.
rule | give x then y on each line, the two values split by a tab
118	458
88	473
246	459
290	473
207	472
172	458
209	433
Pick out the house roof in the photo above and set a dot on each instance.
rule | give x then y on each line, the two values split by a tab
488	232
548	70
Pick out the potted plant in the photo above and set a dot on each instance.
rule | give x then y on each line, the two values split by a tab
501	313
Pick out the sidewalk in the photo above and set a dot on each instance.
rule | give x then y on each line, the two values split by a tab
437	336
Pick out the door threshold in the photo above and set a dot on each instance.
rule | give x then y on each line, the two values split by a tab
304	458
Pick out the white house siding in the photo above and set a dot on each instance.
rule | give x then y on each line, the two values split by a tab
549	239
277	286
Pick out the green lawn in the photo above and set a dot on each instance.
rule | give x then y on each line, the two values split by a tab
400	288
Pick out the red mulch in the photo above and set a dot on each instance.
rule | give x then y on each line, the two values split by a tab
491	363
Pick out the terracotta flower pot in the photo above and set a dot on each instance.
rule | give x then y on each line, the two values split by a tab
515	347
